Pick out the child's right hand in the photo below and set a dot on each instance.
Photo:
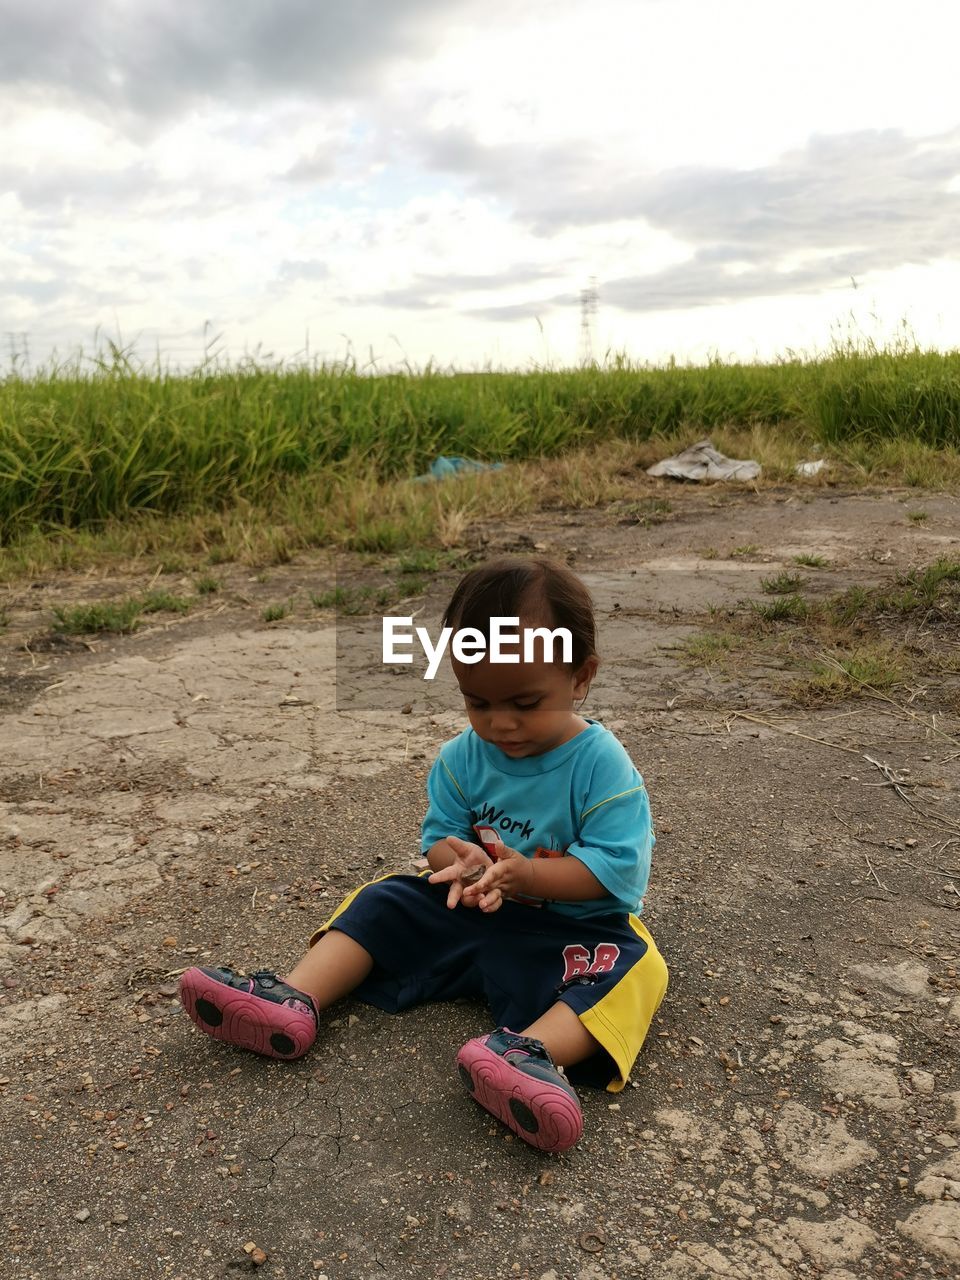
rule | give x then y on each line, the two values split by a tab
469	863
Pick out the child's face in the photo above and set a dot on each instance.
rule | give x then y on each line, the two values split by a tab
524	709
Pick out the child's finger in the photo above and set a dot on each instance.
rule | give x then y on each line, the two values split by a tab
455	894
487	881
464	847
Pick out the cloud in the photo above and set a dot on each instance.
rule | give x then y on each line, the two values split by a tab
700	282
867	187
531	179
437	289
39	187
292	271
267	161
319	166
159	60
411	298
513	311
507	277
40	292
843	204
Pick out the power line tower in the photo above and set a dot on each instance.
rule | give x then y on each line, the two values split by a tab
589	299
19	346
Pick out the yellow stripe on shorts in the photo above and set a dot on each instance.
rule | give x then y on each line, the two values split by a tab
620	1021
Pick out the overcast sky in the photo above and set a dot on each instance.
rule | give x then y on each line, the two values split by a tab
440	179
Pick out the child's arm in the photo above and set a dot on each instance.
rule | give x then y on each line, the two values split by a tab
448	810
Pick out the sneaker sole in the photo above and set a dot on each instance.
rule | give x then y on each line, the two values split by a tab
244	1020
538	1112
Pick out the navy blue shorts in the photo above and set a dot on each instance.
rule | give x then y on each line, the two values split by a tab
520	959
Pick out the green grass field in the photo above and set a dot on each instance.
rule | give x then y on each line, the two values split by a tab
328	450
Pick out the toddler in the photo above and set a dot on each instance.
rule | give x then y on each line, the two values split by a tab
538	838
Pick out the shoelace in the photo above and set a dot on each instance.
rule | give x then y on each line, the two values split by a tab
268	979
527	1046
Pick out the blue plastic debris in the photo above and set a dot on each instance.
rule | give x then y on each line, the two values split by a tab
441	467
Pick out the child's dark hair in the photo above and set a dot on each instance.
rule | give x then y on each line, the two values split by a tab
533	588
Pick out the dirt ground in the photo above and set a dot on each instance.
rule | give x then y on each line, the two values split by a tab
203	790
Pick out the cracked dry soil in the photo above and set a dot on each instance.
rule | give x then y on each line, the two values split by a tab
193	792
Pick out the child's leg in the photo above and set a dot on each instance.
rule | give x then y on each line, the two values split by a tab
604	1016
563	1035
403	919
331	969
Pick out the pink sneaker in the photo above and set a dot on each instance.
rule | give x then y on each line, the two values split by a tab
259	1012
514	1078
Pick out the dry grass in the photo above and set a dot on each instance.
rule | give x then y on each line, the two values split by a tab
860	641
358	511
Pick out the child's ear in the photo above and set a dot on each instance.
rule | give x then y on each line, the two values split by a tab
584	677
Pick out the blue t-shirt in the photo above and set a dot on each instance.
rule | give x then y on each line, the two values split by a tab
584	798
